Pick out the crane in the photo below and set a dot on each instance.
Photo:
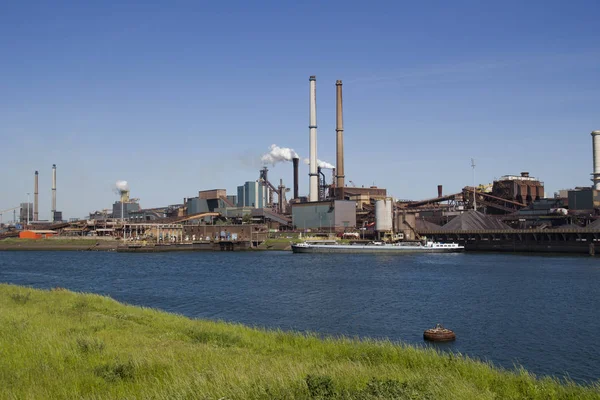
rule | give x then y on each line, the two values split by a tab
8	209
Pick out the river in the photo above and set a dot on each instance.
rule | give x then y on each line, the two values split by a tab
540	312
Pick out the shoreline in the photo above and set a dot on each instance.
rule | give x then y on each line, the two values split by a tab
85	244
14	244
57	245
62	344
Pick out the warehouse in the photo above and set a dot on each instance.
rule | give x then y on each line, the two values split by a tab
331	215
37	234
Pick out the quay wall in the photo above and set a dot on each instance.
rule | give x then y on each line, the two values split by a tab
574	241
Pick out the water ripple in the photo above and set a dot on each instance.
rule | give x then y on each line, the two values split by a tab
539	312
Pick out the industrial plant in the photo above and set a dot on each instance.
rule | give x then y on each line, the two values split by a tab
513	213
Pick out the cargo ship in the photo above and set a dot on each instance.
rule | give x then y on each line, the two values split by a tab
331	246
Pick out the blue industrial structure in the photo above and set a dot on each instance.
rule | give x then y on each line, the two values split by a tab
251	194
127	208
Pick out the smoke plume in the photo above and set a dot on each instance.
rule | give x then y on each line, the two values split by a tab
121	186
277	154
320	164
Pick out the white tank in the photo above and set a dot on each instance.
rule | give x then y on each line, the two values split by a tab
383	215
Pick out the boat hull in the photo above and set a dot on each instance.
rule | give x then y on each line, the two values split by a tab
354	249
439	336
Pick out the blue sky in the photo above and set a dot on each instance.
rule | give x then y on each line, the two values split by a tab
176	97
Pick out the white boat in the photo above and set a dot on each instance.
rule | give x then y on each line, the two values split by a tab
331	246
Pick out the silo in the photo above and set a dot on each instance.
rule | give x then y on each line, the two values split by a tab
383	215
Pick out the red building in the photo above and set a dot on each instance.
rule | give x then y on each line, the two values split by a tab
42	234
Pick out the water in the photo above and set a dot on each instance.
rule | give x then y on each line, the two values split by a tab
537	311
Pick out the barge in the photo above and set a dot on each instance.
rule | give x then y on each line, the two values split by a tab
331	246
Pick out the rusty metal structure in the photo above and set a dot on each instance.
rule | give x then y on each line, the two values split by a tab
280	208
521	189
494	204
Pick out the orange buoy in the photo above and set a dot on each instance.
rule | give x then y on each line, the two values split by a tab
439	334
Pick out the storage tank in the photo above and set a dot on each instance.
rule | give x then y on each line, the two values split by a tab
383	215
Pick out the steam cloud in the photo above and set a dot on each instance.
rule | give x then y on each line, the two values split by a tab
278	154
121	186
321	164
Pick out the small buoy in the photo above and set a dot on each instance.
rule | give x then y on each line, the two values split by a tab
439	334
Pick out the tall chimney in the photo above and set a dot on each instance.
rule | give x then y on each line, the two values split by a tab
281	195
35	197
439	190
596	152
53	191
295	161
339	131
313	194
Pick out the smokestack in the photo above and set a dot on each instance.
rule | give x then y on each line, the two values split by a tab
35	197
439	190
295	161
53	191
339	131
312	127
596	152
281	194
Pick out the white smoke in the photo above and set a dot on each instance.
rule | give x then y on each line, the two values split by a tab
121	186
321	164
277	154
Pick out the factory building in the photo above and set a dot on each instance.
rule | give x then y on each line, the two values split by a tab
154	214
25	209
252	194
123	209
332	215
100	215
523	189
368	192
207	201
37	234
583	198
232	198
257	215
57	216
252	232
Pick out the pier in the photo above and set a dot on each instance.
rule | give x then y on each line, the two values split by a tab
216	245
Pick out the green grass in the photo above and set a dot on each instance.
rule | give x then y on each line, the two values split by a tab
282	240
62	345
272	241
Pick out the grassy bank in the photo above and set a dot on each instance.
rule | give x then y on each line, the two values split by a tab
278	244
60	344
